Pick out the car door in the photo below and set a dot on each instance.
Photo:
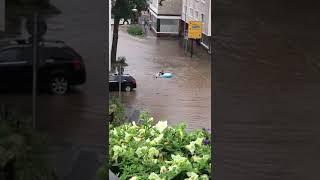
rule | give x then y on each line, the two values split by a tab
113	83
12	67
26	69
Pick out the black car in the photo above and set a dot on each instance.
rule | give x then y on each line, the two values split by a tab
128	83
59	66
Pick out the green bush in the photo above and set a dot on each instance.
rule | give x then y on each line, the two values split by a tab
135	30
22	149
147	151
118	110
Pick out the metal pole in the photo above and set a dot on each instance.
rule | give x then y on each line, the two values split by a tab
191	47
34	79
119	73
185	40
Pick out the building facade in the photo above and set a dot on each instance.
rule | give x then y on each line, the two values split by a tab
110	35
165	19
198	10
2	15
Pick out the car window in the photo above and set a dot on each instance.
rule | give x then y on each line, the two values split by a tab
59	53
112	78
28	54
10	55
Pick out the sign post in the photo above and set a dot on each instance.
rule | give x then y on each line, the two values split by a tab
34	79
194	32
36	27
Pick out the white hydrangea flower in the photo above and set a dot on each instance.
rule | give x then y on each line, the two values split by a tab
206	157
150	120
191	147
141	131
161	125
152	132
153	152
127	137
178	158
204	177
173	168
134	123
115	132
199	141
196	158
154	176
156	140
192	176
141	151
163	169
134	178
154	161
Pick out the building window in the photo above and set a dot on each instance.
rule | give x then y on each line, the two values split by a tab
191	12
169	25
185	9
202	18
196	15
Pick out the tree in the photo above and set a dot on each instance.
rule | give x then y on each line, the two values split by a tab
120	64
122	9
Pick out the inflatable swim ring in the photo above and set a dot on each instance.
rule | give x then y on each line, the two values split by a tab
166	75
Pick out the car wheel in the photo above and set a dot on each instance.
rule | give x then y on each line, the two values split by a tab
128	88
59	85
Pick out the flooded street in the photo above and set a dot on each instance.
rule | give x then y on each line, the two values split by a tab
184	98
266	90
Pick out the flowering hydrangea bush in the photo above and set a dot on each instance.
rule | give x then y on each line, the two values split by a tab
156	152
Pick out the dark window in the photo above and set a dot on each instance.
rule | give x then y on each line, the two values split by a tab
59	53
10	55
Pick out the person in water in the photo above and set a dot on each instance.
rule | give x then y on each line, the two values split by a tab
160	73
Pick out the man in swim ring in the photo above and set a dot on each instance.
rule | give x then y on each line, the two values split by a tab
159	74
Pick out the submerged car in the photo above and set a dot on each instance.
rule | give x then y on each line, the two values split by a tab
59	66
128	83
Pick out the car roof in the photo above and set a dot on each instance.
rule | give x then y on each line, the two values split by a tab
25	43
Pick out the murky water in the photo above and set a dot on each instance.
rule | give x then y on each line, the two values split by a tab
267	84
184	98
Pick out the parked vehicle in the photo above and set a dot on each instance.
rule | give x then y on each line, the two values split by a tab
128	83
59	66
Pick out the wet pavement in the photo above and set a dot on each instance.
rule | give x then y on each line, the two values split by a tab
266	90
76	123
184	98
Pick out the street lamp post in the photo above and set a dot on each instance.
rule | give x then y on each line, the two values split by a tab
185	40
119	74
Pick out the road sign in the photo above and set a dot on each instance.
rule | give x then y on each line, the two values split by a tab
195	30
41	24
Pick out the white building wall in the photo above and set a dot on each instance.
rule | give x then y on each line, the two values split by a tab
154	4
192	10
2	14
209	20
110	35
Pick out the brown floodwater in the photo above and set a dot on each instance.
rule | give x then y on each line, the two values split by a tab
184	98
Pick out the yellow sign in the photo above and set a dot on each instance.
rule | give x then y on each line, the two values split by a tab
195	30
